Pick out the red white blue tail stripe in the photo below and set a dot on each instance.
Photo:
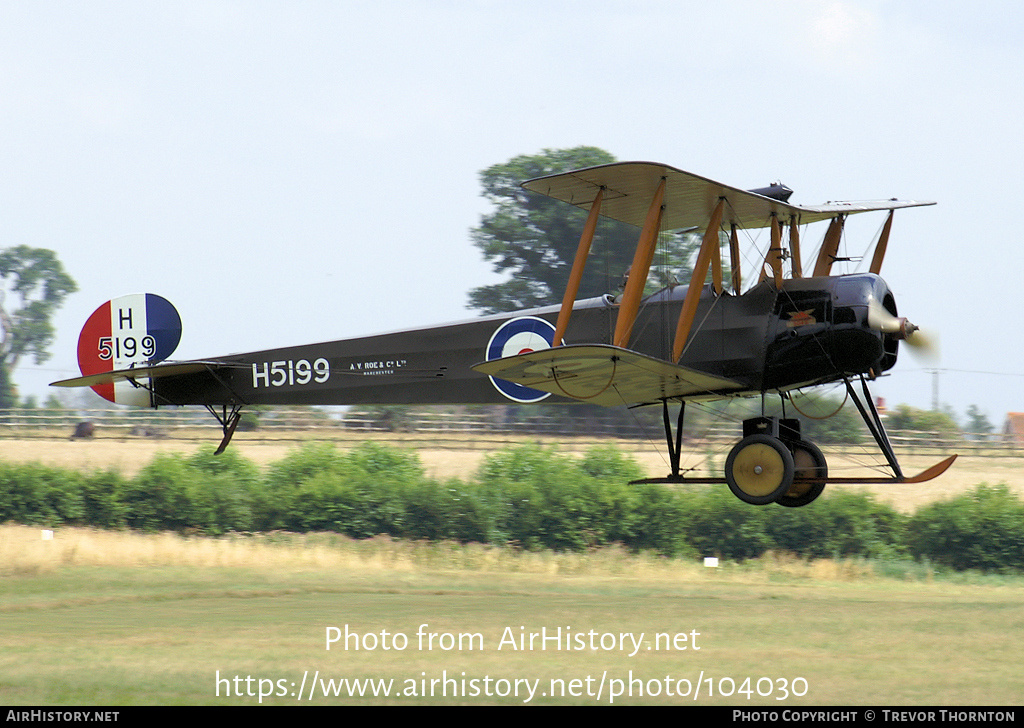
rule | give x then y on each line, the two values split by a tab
133	330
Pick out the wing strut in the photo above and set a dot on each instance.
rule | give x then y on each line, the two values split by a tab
829	247
576	275
773	259
734	259
708	248
794	248
716	270
880	246
638	271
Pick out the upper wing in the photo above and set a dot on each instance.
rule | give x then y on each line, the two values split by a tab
689	199
606	375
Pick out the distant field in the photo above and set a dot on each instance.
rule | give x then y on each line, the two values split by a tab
96	618
129	455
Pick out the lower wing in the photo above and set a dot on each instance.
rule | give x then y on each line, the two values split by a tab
607	375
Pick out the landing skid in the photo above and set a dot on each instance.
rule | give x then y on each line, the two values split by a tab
773	464
923	477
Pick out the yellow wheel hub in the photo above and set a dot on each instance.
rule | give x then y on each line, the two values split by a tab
758	469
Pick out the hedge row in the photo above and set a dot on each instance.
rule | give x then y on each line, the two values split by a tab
529	496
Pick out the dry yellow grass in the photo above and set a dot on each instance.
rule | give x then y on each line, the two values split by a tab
25	552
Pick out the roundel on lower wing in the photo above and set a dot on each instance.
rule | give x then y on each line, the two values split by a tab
519	336
134	330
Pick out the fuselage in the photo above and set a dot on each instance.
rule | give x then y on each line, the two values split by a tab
808	331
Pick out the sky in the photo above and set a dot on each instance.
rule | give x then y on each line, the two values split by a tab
306	171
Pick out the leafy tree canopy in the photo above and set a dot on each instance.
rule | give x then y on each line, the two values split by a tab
34	287
533	238
977	421
905	417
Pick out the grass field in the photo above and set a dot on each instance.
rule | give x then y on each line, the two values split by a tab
96	618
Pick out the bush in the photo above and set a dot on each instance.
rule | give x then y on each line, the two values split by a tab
983	529
718	523
507	482
284	500
661	520
607	463
101	499
36	494
208	493
369	491
531	496
540	498
840	524
158	498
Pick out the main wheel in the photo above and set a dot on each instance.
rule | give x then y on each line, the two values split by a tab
811	470
759	469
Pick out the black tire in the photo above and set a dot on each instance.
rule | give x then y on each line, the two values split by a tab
810	473
759	469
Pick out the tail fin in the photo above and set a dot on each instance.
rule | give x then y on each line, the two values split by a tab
139	329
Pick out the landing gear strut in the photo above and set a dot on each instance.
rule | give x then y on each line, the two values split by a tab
771	464
228	420
774	464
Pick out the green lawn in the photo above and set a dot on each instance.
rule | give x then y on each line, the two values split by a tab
121	619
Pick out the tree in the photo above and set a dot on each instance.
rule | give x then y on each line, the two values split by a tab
533	238
977	421
39	285
905	417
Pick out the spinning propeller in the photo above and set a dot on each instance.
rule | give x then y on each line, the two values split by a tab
921	344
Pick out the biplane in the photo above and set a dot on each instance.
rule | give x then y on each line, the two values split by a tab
789	330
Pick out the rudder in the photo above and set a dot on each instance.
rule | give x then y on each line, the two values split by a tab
128	331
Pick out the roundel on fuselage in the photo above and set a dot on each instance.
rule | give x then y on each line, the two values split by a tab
519	336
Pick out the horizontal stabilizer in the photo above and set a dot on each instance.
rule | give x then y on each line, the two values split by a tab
151	372
689	199
606	375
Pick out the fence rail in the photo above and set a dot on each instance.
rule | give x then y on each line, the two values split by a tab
451	430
